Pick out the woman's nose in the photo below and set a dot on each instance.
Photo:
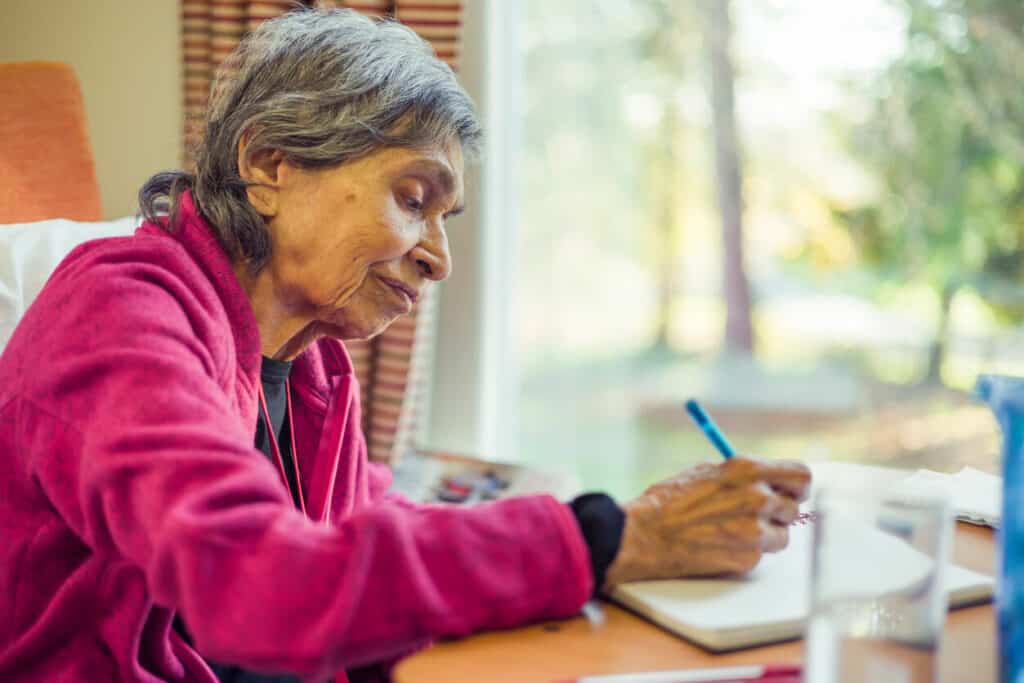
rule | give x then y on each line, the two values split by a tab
431	255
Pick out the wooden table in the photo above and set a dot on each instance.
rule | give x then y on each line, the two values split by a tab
625	643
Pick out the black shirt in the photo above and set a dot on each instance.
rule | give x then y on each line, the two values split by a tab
273	375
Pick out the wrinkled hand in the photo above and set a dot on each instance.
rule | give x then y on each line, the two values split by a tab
710	519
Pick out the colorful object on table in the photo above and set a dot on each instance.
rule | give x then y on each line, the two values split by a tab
471	488
733	674
710	429
1005	396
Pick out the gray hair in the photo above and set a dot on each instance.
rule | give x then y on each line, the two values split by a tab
324	87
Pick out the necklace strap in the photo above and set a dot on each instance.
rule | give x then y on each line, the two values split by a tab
276	451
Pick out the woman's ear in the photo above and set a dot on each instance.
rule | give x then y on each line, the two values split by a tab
261	170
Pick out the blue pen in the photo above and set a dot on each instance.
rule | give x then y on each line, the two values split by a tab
710	429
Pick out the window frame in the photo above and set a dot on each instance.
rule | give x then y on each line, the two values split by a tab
474	387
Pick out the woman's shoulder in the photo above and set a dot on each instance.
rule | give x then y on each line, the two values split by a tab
117	298
135	279
98	257
145	258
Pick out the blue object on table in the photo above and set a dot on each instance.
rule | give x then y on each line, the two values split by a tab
710	429
1005	396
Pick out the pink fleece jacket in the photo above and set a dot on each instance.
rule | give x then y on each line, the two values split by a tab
130	489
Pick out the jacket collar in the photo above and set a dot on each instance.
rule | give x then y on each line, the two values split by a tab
315	367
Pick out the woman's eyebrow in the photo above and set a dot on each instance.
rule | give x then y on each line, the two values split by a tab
435	171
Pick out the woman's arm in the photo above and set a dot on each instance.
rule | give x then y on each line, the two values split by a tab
158	472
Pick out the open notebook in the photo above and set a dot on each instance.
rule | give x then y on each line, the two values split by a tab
771	603
977	496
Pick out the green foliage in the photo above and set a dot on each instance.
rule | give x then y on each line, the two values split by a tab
944	140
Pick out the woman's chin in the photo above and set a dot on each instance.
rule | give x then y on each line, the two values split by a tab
358	331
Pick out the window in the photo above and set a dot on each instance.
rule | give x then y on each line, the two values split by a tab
882	222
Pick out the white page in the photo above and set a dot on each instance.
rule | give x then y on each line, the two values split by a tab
976	496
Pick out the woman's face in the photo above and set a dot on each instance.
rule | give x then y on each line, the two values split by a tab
354	246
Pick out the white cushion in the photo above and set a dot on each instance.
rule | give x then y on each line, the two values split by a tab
29	252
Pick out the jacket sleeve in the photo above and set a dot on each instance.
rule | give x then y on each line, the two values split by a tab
166	478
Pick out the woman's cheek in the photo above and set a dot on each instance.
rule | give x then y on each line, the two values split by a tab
348	268
396	234
348	286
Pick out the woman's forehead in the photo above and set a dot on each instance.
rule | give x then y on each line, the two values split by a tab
441	165
446	157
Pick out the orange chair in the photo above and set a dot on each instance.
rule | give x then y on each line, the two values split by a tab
46	164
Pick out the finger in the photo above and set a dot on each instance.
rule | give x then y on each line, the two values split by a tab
782	510
769	505
788	478
745	562
774	537
766	528
740	542
742	532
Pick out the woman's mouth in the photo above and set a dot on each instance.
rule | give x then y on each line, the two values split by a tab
404	291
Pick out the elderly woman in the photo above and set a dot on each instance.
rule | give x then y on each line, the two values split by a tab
136	385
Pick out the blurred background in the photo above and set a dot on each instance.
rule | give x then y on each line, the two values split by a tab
809	215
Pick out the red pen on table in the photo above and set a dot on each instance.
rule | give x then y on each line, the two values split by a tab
734	674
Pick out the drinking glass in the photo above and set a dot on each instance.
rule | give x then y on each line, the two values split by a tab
877	600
